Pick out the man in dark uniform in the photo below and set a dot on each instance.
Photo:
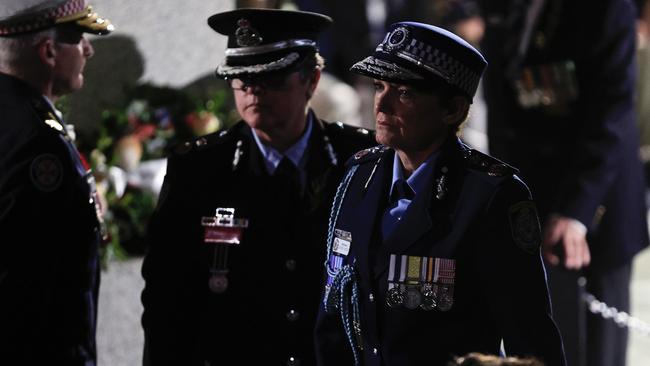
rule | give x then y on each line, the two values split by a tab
560	96
50	224
235	244
433	248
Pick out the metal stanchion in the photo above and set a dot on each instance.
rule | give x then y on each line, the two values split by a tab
582	321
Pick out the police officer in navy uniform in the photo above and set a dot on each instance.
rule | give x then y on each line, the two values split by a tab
235	243
433	248
560	97
50	222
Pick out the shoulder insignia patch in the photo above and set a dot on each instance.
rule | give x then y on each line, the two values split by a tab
46	172
524	224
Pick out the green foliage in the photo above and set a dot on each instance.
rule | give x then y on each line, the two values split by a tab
154	119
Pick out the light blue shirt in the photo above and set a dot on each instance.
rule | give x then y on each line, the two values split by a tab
420	182
296	153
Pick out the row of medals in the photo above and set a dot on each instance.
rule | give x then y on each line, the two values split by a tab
427	296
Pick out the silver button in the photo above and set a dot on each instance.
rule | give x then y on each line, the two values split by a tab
371	297
291	264
292	315
293	361
375	351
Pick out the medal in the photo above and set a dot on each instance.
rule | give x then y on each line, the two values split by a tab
218	283
413	298
395	298
223	230
444	278
445	298
428	298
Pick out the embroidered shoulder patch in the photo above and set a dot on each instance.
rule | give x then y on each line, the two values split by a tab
524	224
46	172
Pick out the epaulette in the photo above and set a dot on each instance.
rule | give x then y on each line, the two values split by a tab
47	116
54	123
493	167
370	154
350	130
201	142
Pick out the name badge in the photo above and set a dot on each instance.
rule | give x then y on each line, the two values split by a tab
223	228
342	242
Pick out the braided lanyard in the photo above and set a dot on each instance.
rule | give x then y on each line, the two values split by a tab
342	290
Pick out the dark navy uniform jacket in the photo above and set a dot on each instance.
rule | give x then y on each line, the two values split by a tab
473	218
271	300
578	149
49	237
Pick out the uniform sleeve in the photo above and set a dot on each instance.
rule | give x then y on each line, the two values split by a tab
171	294
48	254
513	276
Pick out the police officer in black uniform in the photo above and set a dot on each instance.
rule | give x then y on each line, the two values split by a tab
50	222
235	246
433	248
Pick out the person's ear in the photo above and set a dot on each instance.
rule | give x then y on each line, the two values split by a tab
455	110
313	83
47	52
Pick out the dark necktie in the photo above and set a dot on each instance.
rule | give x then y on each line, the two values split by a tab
400	199
287	179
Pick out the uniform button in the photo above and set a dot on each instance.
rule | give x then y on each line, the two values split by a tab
293	361
291	264
371	297
292	315
375	351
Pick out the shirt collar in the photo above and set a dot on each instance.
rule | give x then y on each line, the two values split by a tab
421	177
295	153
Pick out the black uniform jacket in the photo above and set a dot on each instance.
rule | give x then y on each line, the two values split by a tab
481	217
270	303
565	117
49	237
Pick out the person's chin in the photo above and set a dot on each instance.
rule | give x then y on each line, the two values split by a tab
385	137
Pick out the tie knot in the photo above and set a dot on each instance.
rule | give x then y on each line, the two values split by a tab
286	169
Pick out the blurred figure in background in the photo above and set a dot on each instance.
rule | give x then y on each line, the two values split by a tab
50	222
560	95
643	81
236	242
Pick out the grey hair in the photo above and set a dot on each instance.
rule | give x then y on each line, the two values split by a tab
15	49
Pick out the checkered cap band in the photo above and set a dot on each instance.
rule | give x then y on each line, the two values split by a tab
43	19
438	62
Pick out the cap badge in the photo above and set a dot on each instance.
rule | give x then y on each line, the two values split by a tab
246	35
396	38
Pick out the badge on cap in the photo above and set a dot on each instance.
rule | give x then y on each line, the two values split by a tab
524	224
46	172
396	39
246	35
